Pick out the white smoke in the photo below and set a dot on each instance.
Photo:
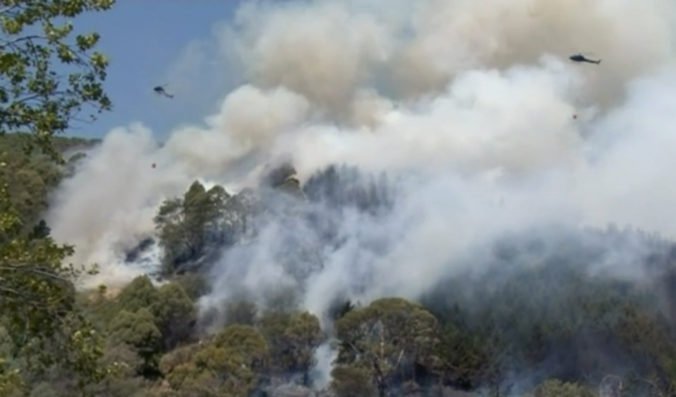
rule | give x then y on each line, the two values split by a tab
111	201
476	99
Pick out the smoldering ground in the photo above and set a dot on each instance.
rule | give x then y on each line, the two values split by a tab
472	110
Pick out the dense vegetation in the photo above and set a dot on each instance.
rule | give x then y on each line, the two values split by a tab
30	177
49	77
537	320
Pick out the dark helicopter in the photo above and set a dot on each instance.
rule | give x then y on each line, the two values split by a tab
161	91
582	58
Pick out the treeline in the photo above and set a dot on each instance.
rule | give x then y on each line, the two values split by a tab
193	230
537	319
391	347
152	348
30	174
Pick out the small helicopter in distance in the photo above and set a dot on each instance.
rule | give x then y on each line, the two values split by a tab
582	58
161	91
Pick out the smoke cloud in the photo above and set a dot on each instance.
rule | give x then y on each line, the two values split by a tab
472	107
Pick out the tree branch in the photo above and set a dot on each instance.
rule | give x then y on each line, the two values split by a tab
35	270
12	43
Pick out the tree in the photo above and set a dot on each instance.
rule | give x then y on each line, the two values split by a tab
172	310
229	364
138	330
49	75
35	287
390	338
239	211
194	284
293	339
137	295
122	380
30	178
464	357
190	225
37	299
351	381
175	315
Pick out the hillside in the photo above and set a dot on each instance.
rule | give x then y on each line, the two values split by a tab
31	178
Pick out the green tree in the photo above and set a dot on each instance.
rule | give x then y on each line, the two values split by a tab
390	337
175	314
194	284
138	330
464	356
35	287
137	295
37	299
351	381
121	380
228	364
49	75
188	226
293	339
30	178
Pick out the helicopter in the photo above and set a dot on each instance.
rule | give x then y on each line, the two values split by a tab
582	58
161	91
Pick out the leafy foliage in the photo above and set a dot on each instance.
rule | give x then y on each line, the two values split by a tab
137	295
293	338
48	74
189	226
171	310
37	299
349	381
175	314
540	321
138	330
227	365
30	178
390	337
47	77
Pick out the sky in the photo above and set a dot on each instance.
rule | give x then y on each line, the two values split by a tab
149	44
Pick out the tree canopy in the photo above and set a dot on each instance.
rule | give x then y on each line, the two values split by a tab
388	338
190	225
49	74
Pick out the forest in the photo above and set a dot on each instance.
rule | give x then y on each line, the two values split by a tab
529	314
533	323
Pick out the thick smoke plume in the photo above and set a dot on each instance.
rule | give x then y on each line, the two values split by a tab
471	109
